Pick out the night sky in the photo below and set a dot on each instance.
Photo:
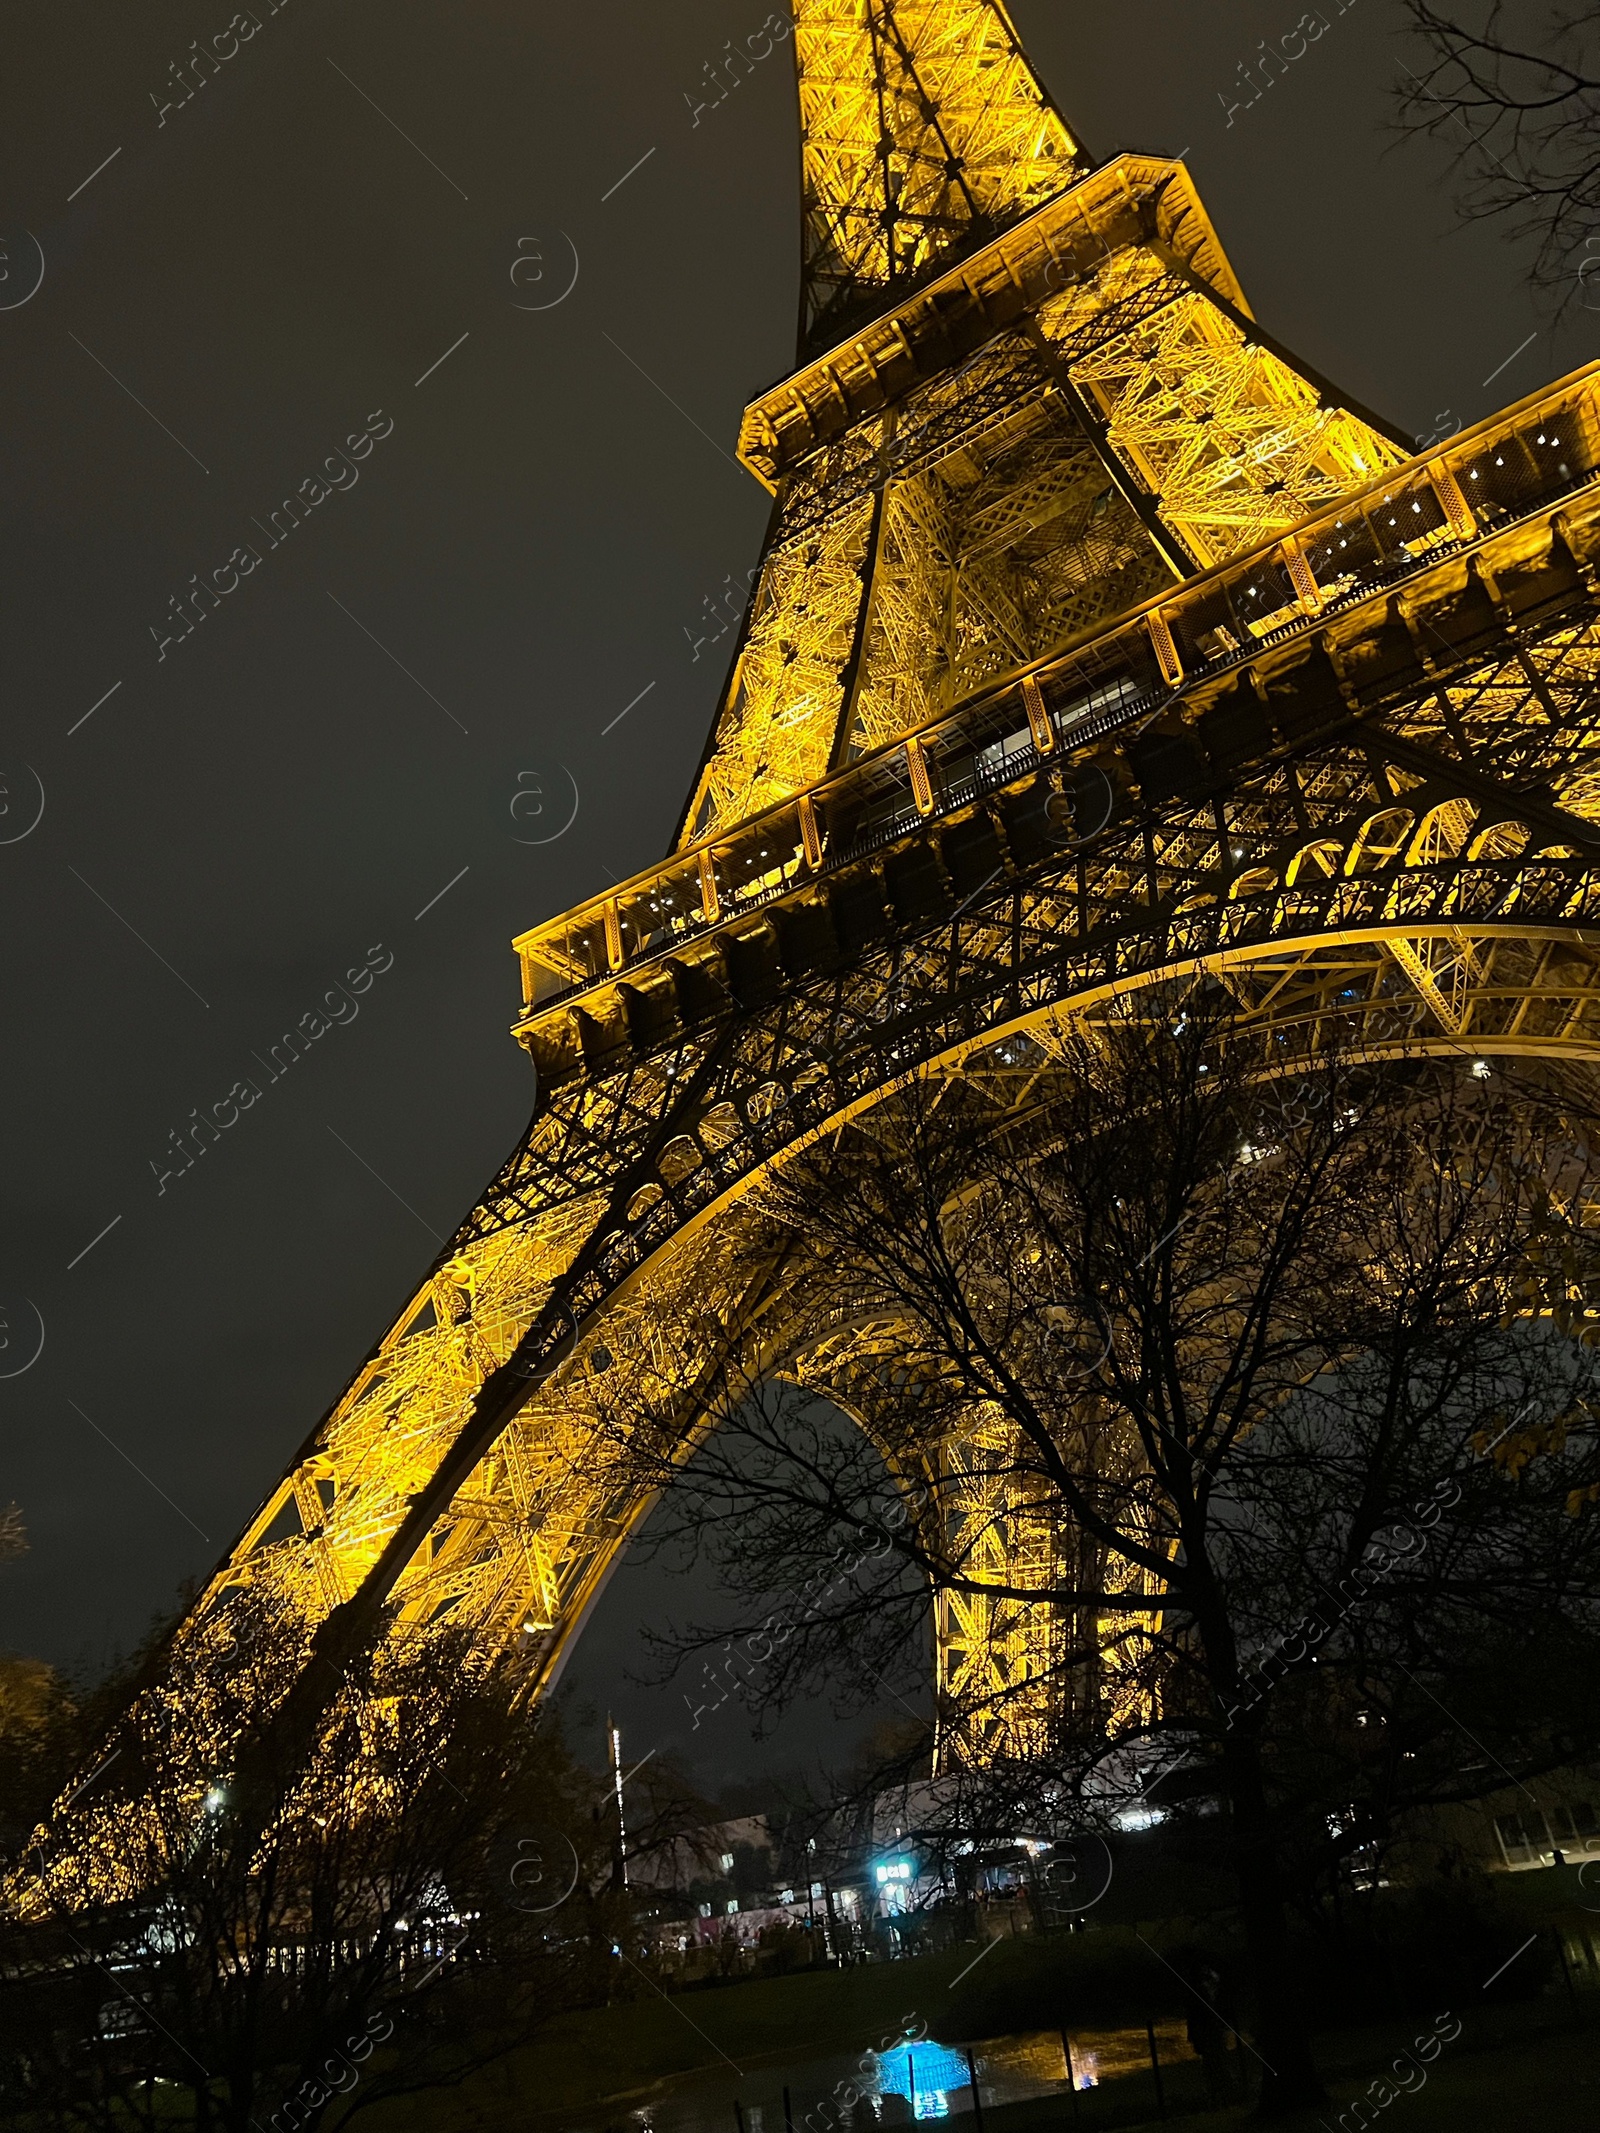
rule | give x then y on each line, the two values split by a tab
348	234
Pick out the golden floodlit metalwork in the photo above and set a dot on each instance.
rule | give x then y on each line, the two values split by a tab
1096	640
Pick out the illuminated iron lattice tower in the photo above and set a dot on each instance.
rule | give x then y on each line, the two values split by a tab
1059	534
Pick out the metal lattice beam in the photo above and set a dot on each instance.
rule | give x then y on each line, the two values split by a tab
923	127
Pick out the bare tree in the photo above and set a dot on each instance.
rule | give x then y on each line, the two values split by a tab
37	1719
1517	104
282	1943
40	1735
1210	1425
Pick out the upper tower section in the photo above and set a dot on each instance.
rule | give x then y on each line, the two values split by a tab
1031	395
924	131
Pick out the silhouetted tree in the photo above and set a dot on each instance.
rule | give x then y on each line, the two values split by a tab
1240	1441
1516	101
281	1943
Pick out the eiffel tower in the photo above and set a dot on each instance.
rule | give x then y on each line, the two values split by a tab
1096	640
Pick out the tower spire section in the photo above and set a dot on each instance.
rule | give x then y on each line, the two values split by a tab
1030	395
924	130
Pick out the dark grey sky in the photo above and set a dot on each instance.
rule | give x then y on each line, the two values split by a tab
280	264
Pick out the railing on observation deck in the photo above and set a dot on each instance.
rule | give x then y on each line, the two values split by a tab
1440	504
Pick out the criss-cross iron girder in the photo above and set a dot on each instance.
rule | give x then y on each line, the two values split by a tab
923	130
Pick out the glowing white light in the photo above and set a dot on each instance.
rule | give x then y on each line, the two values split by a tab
1140	1817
